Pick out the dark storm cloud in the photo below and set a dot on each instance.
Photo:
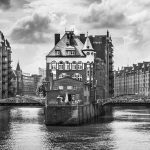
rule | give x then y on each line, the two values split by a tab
4	4
32	29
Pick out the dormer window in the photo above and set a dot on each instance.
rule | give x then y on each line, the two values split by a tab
57	52
70	53
70	50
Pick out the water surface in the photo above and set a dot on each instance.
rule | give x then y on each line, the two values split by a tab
128	128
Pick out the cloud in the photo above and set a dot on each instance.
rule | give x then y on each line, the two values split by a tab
88	2
12	4
105	15
4	4
36	28
19	3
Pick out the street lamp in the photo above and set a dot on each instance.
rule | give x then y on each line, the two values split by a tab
46	85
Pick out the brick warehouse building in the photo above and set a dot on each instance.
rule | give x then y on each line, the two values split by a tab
103	46
133	80
5	68
72	70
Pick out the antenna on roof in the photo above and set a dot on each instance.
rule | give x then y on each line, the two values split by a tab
87	34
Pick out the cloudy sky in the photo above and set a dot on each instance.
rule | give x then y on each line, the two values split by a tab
30	25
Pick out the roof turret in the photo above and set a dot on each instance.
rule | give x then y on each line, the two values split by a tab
87	44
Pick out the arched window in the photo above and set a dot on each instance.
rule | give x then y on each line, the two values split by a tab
61	65
62	75
74	64
53	65
79	65
77	76
67	65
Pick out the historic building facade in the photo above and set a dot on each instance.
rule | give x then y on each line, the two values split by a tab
5	68
133	80
24	83
74	68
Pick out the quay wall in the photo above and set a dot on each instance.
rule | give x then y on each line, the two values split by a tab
72	114
4	108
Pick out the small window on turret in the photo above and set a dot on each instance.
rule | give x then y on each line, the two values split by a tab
88	53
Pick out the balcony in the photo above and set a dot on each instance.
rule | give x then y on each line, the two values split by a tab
4	87
4	62
4	73
111	61
4	80
9	66
4	67
4	53
9	60
9	50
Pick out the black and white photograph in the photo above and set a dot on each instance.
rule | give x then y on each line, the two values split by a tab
74	74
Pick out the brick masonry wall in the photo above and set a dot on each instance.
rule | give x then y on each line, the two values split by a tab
72	115
70	82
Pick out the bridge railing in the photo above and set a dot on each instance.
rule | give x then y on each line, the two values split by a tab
22	99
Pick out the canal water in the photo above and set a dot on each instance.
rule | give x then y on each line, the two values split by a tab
127	128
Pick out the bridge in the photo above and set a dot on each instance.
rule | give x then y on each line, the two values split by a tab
23	101
115	101
127	100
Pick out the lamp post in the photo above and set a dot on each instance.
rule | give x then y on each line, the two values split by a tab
46	89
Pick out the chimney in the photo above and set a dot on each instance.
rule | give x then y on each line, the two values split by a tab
82	38
57	38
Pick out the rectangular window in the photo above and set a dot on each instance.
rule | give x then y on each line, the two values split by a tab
75	87
55	87
61	87
69	87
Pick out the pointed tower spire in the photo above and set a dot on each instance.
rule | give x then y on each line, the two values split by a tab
87	44
107	33
18	67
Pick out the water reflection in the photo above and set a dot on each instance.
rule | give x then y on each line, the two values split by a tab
24	128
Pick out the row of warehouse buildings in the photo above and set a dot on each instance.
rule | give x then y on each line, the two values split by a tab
133	80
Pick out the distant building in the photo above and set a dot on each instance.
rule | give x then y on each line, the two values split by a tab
24	83
28	86
42	72
133	80
37	81
5	68
74	68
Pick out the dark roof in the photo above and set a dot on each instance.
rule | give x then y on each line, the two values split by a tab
66	43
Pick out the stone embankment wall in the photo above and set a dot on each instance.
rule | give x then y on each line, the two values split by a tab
3	108
72	115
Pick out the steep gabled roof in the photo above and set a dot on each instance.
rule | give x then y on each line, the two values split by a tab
62	45
87	44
